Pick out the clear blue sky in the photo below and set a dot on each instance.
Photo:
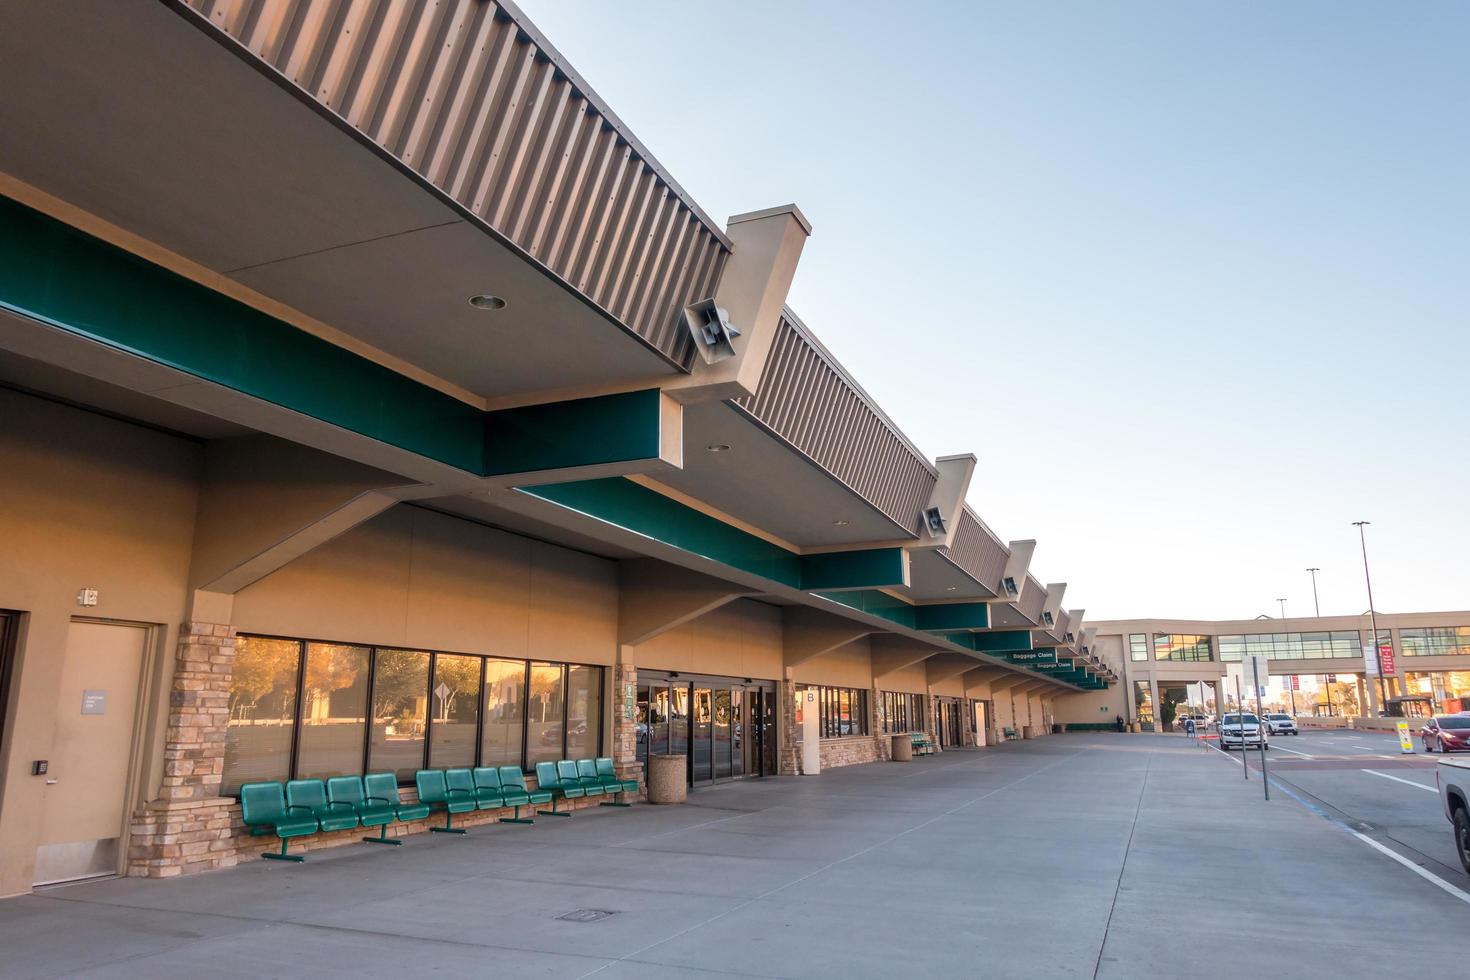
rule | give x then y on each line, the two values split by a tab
1189	278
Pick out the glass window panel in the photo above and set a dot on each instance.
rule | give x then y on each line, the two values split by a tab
738	723
400	711
505	690
456	704
679	720
658	721
544	712
584	711
333	711
641	725
262	712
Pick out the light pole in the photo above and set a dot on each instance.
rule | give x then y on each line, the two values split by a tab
1372	616
1315	607
1283	607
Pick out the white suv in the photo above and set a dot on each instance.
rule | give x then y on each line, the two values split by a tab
1281	724
1242	730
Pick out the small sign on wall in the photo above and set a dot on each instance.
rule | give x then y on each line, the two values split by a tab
94	702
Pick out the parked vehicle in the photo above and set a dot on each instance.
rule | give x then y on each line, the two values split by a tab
1453	779
1280	723
1243	730
1446	733
1200	722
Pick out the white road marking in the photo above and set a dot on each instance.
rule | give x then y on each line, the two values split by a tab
1279	748
1406	782
1431	878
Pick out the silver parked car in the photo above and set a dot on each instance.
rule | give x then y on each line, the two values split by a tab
1281	724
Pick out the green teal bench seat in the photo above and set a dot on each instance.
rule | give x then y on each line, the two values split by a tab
549	780
384	786
513	782
312	794
571	773
370	812
488	786
434	790
264	809
611	783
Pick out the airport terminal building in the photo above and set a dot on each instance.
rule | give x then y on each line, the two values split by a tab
1422	656
371	400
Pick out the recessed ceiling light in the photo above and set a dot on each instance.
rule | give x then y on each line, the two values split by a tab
718	447
839	524
485	301
952	588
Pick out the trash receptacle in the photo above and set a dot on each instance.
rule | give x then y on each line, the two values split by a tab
1056	728
903	748
667	778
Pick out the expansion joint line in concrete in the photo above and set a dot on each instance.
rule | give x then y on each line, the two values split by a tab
829	865
1123	867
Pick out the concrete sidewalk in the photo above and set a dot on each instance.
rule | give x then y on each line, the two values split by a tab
1069	856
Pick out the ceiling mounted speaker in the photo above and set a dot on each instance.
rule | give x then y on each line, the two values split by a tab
934	522
710	328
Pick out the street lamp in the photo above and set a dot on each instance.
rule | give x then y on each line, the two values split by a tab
1283	607
1372	616
1315	607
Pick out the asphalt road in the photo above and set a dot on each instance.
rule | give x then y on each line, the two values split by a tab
1364	780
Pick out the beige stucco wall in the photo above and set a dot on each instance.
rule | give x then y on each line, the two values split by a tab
850	665
85	501
1090	707
739	639
423	580
954	687
907	680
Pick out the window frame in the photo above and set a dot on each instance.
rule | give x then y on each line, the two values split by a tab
302	644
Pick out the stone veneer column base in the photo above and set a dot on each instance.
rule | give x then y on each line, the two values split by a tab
187	828
178	838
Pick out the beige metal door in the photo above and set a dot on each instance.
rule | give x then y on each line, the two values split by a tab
90	772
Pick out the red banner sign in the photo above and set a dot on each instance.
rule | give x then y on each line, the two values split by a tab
1385	659
1296	684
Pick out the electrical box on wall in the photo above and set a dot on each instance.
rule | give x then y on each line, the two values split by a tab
87	597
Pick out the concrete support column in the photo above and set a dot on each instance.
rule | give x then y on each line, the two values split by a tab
187	829
1362	688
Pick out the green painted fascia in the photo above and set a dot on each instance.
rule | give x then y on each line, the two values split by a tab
52	272
61	276
875	603
872	568
1002	640
628	505
953	616
580	432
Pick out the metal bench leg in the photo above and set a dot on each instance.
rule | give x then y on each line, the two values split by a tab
282	855
553	812
615	801
383	837
517	818
449	827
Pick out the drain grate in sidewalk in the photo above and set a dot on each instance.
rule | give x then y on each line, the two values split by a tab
585	915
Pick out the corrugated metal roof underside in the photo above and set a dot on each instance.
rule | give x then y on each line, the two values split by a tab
977	551
806	399
460	93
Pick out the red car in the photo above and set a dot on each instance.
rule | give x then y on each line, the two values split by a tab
1446	733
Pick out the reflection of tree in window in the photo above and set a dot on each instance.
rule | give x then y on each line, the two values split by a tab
455	710
400	710
333	710
544	714
262	711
